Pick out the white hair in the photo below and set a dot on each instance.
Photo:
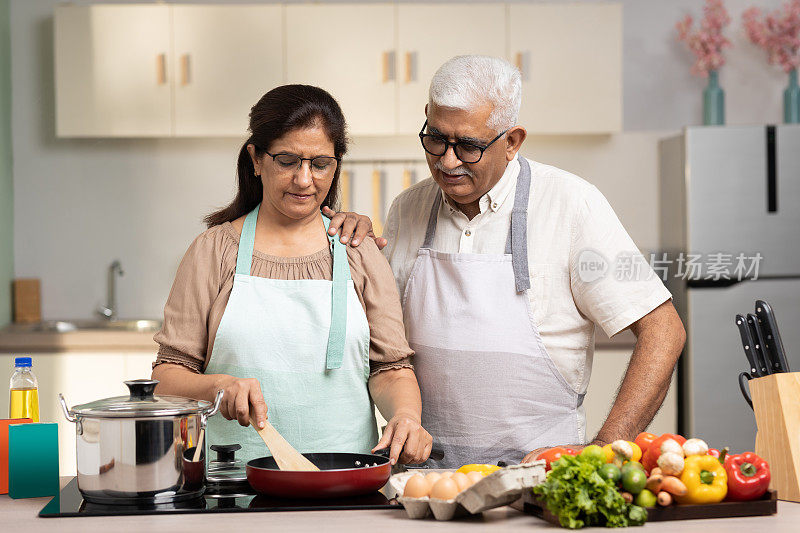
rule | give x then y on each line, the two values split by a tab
467	82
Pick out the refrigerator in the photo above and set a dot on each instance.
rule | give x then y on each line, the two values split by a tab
730	234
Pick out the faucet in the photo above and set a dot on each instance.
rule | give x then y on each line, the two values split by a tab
109	311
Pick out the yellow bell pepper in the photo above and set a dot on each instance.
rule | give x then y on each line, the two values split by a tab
483	469
705	479
609	453
637	452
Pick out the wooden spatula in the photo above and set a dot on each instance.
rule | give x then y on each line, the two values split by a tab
287	457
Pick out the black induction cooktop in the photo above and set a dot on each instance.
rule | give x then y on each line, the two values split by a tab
69	502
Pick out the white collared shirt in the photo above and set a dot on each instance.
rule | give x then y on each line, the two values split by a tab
570	226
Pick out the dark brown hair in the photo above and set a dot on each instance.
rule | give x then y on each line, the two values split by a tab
278	112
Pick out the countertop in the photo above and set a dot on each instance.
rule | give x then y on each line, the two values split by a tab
21	515
15	339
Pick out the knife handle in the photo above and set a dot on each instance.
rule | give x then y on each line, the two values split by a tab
774	343
747	343
762	356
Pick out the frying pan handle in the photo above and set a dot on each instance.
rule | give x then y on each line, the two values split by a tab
437	454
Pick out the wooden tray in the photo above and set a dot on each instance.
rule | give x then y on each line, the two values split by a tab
766	505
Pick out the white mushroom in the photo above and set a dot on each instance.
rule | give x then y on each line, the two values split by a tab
623	448
671	446
671	464
695	447
623	451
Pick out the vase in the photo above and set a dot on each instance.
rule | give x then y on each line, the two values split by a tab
713	101
791	100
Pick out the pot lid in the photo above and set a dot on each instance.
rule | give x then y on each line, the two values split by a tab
226	468
141	403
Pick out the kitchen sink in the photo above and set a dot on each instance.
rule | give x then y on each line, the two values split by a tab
64	326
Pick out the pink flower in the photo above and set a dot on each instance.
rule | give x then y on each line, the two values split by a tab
778	33
707	42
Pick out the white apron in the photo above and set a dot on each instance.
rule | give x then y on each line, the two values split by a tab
307	343
490	391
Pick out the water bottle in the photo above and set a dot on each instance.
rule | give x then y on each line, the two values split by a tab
24	402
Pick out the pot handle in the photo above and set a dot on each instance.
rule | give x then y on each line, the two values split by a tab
213	409
69	415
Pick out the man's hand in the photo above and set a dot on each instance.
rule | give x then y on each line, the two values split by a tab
535	453
354	228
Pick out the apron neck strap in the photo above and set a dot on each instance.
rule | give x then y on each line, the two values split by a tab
244	257
517	242
341	275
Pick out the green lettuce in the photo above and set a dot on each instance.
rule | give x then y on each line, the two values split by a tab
579	496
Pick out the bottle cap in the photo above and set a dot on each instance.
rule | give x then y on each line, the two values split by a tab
23	361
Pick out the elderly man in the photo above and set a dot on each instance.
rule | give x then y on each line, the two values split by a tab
488	256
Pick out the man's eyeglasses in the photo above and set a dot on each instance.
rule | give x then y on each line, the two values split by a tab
466	152
321	165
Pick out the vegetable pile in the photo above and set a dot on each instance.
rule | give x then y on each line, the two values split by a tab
609	486
577	492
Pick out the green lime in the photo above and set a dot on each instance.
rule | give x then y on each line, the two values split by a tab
645	499
610	472
634	480
632	464
594	452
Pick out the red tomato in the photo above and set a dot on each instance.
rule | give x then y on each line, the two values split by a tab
554	454
643	440
650	458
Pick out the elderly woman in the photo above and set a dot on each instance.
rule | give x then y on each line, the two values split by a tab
289	322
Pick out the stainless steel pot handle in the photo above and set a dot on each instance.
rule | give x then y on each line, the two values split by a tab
213	409
69	415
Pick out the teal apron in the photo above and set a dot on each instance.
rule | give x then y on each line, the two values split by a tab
307	343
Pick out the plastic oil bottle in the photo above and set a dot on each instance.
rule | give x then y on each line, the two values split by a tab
24	402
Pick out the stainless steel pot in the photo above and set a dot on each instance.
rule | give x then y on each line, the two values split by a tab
138	449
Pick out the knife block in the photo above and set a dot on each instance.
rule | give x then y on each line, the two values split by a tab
776	403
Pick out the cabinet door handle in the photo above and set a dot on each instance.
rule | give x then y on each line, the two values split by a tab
346	190
411	63
521	61
388	61
406	178
185	72
377	202
161	68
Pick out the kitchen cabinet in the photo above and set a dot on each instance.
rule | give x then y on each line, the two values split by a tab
570	56
422	48
195	70
81	377
112	71
226	58
349	50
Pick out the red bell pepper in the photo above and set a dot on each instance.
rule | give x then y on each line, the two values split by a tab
650	457
748	476
554	454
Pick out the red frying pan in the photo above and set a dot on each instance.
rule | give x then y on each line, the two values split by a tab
340	475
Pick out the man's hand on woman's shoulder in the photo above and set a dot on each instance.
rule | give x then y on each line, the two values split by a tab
354	227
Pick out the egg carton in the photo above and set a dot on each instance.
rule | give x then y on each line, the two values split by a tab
499	488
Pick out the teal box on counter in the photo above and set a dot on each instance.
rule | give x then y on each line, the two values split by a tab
33	460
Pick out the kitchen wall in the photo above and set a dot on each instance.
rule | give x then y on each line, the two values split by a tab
6	177
79	204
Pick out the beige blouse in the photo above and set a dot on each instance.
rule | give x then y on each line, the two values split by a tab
204	281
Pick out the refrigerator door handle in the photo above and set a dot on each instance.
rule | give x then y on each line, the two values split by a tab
772	171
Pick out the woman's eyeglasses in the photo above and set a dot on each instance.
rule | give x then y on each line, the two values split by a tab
466	152
321	165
